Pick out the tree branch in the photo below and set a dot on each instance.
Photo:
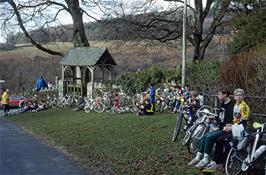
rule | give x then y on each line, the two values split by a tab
39	46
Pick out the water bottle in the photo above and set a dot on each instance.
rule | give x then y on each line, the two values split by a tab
259	151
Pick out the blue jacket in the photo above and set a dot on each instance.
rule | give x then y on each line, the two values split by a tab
152	92
41	84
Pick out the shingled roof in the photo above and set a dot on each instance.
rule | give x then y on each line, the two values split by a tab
87	56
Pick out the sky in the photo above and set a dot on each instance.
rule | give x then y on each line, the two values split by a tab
66	18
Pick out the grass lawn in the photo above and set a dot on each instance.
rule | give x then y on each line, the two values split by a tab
115	144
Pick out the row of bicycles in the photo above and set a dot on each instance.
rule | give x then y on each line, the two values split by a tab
247	154
165	101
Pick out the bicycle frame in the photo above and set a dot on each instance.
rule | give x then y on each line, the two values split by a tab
251	156
244	160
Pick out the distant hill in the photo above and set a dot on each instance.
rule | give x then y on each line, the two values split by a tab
21	66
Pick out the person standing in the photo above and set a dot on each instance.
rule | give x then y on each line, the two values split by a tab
5	101
152	92
41	83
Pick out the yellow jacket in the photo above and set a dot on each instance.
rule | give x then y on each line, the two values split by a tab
241	112
5	98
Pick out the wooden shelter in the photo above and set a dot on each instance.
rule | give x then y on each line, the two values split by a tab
83	62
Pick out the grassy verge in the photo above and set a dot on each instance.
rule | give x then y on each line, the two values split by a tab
117	144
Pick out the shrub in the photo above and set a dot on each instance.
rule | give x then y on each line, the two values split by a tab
141	80
246	70
203	76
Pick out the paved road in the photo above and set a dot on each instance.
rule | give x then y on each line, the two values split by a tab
22	154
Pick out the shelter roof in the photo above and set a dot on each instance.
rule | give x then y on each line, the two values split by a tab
88	56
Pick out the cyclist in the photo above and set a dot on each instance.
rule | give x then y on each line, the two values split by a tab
186	94
193	106
152	93
179	97
240	116
225	117
241	109
5	101
146	108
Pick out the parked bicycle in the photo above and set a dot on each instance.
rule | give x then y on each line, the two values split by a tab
203	125
249	154
94	104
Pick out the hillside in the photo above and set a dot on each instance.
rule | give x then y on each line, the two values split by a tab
21	66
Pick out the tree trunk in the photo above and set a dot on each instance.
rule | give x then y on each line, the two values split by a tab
79	36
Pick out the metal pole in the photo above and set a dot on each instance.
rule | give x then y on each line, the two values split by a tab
184	43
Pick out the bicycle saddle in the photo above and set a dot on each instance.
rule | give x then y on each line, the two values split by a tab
257	125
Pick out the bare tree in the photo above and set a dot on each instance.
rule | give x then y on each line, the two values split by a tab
166	25
39	14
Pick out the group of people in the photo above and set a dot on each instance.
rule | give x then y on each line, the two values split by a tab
231	113
33	106
182	95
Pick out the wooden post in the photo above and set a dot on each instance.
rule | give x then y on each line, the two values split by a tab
110	72
103	72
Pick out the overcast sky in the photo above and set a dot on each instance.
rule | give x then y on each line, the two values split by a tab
66	18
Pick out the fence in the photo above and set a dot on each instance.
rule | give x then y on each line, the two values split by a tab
257	105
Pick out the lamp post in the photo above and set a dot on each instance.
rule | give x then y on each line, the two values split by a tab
184	43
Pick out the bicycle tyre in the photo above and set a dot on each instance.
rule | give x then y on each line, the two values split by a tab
234	162
196	134
179	119
136	99
99	107
53	104
87	108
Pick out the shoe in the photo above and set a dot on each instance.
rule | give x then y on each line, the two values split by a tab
193	162
201	164
211	168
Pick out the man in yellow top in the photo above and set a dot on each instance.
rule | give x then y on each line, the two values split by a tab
241	109
5	101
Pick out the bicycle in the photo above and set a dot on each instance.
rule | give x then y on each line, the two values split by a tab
183	114
248	155
95	105
67	101
198	130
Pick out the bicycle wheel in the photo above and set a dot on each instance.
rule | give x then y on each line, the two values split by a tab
234	162
99	107
187	135
61	103
134	110
87	108
162	107
136	99
178	124
53	103
196	134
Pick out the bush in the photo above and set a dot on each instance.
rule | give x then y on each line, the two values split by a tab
141	80
203	76
251	30
246	70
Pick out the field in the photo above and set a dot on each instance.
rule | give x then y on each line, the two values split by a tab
111	144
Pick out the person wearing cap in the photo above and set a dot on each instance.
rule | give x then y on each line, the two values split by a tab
5	101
